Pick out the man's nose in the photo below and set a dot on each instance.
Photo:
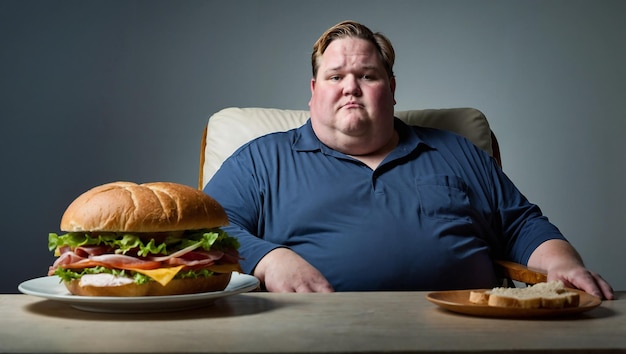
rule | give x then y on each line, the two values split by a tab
351	86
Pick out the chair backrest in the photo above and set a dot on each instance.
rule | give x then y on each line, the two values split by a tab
231	128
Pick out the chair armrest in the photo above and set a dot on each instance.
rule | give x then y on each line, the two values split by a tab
521	273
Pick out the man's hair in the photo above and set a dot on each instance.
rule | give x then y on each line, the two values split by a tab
352	29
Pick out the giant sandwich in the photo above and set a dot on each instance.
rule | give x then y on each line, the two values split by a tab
128	239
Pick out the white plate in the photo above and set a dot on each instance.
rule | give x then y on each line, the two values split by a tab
51	288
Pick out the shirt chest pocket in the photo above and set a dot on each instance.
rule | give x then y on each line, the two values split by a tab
444	198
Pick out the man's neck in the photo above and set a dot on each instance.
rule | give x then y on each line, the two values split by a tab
373	159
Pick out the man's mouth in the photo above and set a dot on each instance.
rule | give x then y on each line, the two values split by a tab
352	104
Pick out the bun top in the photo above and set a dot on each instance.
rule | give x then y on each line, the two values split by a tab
148	207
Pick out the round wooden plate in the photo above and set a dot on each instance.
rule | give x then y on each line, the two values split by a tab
458	301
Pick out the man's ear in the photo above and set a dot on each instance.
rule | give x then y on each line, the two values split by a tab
392	86
312	89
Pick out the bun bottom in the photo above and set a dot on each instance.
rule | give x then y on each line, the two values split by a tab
216	282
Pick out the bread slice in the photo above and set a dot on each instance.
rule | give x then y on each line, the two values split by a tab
479	297
552	294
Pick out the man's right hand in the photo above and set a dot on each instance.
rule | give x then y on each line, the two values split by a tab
283	270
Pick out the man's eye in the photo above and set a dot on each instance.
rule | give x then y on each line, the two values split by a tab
334	78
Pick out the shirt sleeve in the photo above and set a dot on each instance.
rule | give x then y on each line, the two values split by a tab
522	223
235	187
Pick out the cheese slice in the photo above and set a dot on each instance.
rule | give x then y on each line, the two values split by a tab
164	275
161	275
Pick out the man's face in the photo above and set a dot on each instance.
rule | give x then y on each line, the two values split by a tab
352	97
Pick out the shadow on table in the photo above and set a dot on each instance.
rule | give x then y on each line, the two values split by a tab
237	305
596	313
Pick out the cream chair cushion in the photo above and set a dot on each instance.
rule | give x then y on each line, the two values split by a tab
230	128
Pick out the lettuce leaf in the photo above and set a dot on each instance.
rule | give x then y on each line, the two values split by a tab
210	239
123	242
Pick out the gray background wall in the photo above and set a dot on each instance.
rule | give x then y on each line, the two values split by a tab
96	91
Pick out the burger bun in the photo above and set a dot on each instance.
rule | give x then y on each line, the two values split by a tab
148	207
216	282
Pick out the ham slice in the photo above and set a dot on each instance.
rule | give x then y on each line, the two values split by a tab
92	256
121	261
86	251
66	258
177	253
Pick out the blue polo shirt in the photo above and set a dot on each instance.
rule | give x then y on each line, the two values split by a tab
432	216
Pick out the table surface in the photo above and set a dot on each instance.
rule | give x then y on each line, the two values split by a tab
339	322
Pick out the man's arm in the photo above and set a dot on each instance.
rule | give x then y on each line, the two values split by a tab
562	262
282	270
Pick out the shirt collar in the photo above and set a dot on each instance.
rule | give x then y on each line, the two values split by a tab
306	140
409	139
